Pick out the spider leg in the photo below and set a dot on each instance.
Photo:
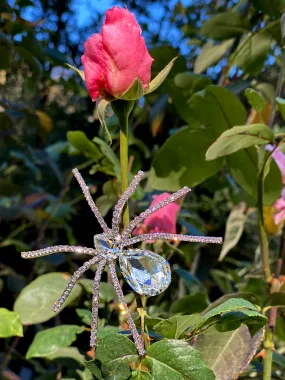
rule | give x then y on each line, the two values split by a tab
72	282
95	303
153	209
165	236
122	201
57	249
118	289
90	201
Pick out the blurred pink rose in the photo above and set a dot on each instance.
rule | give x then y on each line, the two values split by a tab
117	56
279	216
163	220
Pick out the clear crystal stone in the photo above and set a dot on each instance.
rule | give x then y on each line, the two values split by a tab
145	271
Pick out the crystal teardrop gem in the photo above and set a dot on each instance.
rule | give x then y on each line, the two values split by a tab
146	272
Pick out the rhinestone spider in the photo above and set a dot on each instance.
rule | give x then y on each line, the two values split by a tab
146	272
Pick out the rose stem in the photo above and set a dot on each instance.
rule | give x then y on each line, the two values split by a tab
123	109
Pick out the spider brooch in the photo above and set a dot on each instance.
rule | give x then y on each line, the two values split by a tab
146	272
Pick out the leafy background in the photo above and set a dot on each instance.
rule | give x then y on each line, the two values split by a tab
48	125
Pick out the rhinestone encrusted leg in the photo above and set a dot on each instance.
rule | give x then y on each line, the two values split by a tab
75	277
121	297
95	303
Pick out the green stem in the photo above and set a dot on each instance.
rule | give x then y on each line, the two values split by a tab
124	162
268	345
123	109
262	234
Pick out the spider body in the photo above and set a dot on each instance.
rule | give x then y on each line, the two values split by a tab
145	271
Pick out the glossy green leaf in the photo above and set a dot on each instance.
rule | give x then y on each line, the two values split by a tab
176	360
210	54
35	301
234	229
174	327
190	304
252	52
191	82
255	99
66	353
48	341
180	99
115	352
106	290
10	324
218	109
85	315
243	168
225	25
80	142
141	375
251	297
281	107
238	138
158	80
230	314
228	353
174	168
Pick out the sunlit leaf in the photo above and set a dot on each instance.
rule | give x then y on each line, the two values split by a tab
35	301
10	323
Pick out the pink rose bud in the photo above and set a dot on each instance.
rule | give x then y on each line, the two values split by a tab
114	59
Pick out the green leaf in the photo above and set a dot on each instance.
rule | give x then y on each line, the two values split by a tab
92	365
115	352
77	71
190	304
252	52
141	375
230	305
225	25
255	99
176	360
48	341
106	290
218	109
66	353
157	81
134	92
275	300
180	102
80	142
228	353
210	54
101	108
234	229
238	138
230	314
191	82
243	168
281	107
174	327
10	324
251	297
35	301
174	168
85	315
